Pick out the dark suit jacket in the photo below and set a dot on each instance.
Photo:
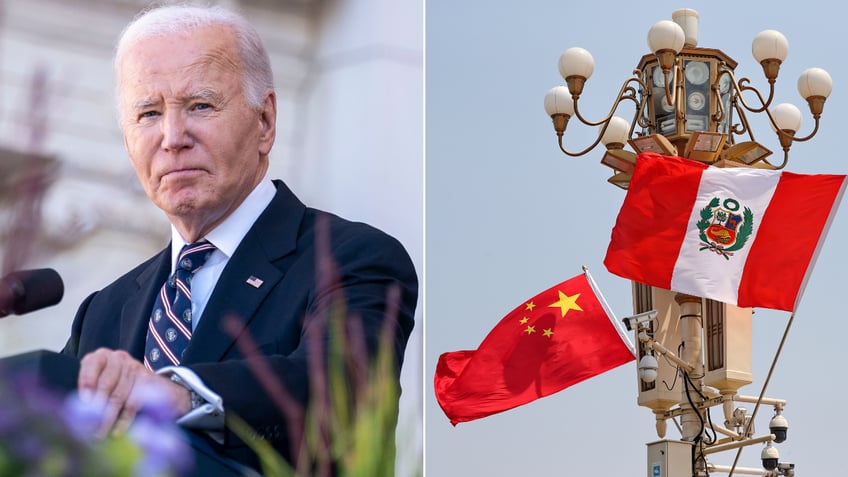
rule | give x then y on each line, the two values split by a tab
292	249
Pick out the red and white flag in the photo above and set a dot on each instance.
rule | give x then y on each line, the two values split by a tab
744	236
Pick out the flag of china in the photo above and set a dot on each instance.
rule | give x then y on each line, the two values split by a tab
559	337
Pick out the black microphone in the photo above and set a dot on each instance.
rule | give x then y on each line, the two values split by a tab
29	290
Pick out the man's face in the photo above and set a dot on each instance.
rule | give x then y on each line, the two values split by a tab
196	145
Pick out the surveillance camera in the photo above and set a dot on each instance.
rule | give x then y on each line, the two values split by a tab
633	322
770	456
648	368
786	468
740	419
778	426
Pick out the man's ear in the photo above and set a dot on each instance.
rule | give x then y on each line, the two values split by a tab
268	123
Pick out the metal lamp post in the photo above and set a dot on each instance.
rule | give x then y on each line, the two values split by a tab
694	353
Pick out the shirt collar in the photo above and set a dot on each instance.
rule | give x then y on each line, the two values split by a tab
228	234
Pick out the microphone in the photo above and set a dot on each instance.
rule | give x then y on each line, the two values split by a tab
29	290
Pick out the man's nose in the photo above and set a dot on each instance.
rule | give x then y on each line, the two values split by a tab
175	131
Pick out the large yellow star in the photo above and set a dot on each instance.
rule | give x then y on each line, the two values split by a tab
566	303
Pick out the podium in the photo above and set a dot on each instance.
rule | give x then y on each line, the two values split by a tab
58	373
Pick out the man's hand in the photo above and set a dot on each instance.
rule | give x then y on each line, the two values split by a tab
119	380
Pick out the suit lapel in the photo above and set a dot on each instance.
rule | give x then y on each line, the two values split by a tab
135	313
247	279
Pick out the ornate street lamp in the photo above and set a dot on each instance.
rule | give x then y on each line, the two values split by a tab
688	101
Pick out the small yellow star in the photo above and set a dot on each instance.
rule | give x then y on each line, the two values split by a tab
566	303
524	320
530	306
548	332
530	330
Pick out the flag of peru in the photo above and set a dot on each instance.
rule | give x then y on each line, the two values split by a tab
743	236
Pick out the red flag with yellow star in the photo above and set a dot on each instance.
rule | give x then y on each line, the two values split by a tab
558	338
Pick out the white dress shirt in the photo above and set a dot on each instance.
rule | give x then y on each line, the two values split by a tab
226	237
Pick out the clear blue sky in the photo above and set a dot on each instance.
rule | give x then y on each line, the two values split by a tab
508	215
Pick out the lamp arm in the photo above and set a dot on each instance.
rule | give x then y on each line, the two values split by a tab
671	97
786	141
742	86
721	113
742	127
787	138
783	134
641	120
584	151
627	91
782	164
597	140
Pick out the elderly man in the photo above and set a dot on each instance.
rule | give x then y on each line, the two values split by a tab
247	264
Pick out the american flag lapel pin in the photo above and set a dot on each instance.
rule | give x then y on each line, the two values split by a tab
255	282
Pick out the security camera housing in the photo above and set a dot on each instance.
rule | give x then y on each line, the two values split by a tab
769	464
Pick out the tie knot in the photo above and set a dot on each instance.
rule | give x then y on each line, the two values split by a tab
194	255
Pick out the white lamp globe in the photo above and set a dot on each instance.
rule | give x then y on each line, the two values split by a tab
558	101
815	82
787	117
770	45
617	131
576	62
666	35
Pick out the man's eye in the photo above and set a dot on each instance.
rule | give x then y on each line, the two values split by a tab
148	114
202	106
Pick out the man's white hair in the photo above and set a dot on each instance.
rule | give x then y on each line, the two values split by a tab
257	76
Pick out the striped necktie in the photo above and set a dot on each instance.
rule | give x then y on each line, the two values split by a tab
169	330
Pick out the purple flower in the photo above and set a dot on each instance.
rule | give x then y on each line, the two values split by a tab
155	402
165	449
45	433
83	416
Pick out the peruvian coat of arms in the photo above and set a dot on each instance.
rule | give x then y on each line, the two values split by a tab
722	228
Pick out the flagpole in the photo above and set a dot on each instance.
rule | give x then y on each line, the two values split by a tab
621	332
